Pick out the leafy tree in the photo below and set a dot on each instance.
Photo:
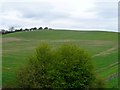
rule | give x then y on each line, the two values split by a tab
50	29
34	28
31	29
46	28
21	29
67	66
40	28
26	29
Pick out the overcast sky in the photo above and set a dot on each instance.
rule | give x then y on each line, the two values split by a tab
61	14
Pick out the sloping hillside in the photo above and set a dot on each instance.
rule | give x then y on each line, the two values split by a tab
102	46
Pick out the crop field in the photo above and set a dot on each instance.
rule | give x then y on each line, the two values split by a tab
102	46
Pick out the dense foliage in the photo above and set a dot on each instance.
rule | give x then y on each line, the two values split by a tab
67	66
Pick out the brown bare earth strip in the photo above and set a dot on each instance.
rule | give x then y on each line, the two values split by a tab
117	74
10	39
86	42
109	51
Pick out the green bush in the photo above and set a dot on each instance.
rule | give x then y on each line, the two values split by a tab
67	66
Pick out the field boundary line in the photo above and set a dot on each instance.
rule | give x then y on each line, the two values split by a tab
111	65
117	74
106	52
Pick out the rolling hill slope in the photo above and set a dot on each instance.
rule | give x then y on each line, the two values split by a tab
102	46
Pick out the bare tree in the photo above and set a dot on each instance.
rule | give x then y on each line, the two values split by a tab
11	29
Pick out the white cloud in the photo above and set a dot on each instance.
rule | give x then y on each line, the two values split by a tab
71	14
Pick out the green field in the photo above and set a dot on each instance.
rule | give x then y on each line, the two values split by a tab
102	46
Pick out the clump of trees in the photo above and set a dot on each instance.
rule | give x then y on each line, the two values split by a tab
12	30
67	66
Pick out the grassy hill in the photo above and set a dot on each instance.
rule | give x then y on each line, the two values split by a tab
102	46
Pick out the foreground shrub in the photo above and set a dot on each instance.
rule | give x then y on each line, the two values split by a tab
65	67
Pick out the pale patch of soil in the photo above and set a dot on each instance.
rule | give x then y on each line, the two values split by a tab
108	51
12	39
96	42
83	42
6	68
111	65
117	74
